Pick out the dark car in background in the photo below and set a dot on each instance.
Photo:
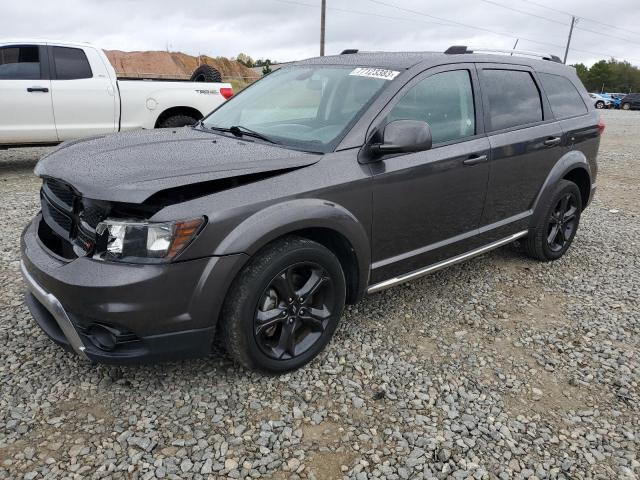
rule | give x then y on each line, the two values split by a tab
327	179
630	102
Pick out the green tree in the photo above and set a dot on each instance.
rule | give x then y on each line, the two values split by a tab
245	60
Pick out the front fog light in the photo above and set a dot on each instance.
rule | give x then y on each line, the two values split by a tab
135	241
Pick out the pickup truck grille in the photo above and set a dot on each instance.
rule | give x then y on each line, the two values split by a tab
68	221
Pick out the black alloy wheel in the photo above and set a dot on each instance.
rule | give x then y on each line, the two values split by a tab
294	311
284	306
562	222
556	223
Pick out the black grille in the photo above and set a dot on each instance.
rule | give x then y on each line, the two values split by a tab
61	190
69	217
61	219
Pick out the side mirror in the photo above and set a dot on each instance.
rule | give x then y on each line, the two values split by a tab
404	136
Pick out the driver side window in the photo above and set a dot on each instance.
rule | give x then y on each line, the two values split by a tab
444	101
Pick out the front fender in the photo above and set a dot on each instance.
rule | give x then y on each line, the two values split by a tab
572	160
294	215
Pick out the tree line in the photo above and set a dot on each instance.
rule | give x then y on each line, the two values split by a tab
247	61
610	76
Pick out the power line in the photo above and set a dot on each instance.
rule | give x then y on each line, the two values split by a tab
511	35
541	5
557	21
441	21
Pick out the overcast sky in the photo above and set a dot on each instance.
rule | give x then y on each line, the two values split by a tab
289	29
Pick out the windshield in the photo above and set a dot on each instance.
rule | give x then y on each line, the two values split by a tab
308	108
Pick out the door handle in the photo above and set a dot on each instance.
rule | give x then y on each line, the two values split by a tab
37	89
552	141
475	159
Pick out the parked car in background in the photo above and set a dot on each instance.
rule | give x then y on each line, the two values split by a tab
615	99
327	179
630	102
56	91
599	101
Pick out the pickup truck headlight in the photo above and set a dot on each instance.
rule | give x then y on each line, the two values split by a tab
144	242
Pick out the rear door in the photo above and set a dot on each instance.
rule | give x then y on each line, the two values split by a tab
426	203
84	100
526	142
26	114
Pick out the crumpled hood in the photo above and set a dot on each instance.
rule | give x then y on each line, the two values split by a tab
130	167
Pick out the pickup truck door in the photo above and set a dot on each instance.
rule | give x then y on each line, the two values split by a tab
25	96
84	97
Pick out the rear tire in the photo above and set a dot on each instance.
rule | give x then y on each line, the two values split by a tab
273	319
206	73
555	230
599	104
177	121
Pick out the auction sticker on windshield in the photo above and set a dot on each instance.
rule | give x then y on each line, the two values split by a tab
382	73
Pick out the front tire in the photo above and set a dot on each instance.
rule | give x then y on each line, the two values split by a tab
555	230
284	306
626	106
599	104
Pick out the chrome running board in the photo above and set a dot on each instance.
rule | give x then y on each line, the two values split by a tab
444	263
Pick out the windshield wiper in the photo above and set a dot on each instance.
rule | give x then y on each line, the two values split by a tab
239	131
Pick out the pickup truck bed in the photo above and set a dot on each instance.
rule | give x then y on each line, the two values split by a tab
56	91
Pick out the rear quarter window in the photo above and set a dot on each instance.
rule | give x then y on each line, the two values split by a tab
564	98
71	63
512	98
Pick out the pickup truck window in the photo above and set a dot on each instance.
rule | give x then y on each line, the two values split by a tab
308	108
71	63
19	63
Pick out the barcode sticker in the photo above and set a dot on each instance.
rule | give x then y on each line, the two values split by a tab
382	73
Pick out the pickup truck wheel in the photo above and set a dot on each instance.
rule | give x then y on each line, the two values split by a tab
206	73
284	306
556	228
177	121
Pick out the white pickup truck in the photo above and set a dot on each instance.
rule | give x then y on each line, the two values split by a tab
53	91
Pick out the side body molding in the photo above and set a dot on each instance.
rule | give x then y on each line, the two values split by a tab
572	160
294	215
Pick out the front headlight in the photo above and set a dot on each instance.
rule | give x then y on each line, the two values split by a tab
144	242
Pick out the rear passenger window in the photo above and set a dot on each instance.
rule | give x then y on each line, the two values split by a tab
513	98
444	101
563	96
71	63
19	63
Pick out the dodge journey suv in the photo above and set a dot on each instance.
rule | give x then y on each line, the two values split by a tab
326	180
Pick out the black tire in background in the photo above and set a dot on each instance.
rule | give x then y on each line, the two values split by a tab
560	216
626	106
599	104
252	334
206	73
177	121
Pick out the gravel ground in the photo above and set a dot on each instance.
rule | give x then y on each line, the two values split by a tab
498	368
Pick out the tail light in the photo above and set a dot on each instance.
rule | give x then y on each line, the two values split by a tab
600	127
226	92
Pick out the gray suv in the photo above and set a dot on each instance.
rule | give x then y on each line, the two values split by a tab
328	179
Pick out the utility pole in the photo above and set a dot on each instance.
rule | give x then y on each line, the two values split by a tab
322	20
566	50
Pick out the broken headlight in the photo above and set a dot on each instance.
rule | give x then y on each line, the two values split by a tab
138	241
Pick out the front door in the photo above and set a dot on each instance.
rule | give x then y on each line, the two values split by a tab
425	203
25	96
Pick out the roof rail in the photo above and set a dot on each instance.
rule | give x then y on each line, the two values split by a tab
461	49
349	51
